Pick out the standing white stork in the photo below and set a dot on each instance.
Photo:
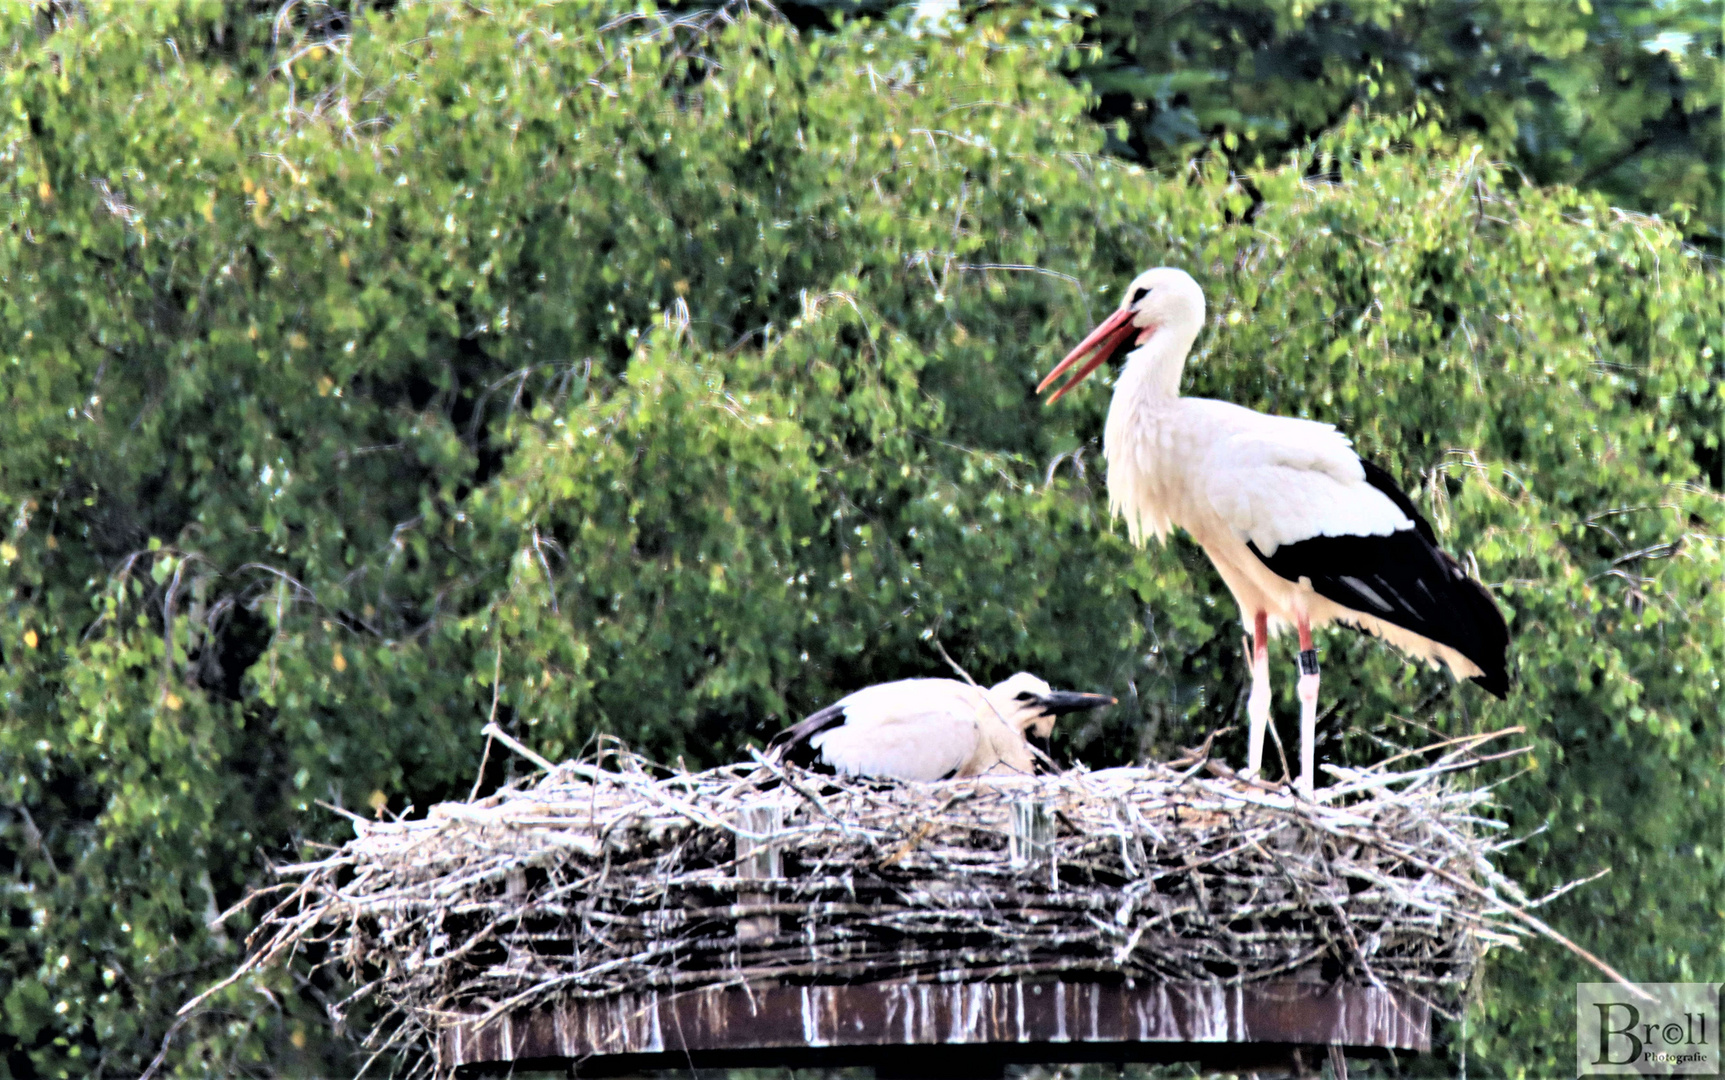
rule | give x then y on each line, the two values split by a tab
932	729
1302	531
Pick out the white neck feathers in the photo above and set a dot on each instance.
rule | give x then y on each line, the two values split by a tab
1153	369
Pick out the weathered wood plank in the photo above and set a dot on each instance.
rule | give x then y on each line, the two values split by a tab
977	1013
758	825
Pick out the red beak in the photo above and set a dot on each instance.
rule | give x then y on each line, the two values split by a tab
1105	340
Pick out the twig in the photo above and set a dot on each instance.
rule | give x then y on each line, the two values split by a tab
173	1029
492	731
490	728
950	662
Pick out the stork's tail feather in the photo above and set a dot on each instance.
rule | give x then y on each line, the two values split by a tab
1489	645
1483	636
792	744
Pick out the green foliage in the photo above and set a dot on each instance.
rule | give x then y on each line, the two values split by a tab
1622	96
669	378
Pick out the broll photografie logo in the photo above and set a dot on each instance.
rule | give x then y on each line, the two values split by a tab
1647	1029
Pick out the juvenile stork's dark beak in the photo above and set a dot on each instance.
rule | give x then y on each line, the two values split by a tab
1059	702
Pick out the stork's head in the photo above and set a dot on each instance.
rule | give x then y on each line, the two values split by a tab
1157	300
1033	705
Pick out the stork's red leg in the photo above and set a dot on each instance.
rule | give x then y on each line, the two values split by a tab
1258	701
1308	706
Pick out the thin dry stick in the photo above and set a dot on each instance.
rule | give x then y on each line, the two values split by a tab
950	662
491	730
491	720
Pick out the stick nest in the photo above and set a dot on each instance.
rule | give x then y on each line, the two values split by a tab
610	875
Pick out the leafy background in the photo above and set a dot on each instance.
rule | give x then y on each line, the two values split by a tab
1620	96
669	374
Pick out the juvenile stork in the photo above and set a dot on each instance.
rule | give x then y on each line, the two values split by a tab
1302	531
932	729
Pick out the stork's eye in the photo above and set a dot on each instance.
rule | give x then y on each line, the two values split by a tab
1025	695
1138	294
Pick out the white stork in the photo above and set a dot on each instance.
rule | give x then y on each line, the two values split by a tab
932	729
1302	531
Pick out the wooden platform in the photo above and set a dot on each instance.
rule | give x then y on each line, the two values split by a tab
972	1027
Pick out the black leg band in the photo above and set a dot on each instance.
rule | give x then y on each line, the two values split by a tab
1308	661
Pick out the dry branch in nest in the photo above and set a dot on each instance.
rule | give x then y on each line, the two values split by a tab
610	876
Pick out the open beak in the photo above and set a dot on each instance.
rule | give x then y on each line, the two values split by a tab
1056	702
1105	341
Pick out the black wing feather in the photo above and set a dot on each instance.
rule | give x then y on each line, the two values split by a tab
1386	483
1406	580
792	744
